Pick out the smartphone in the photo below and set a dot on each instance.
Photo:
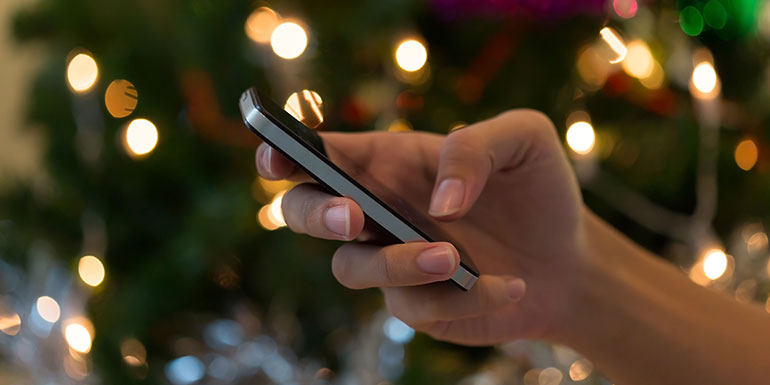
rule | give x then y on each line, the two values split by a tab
342	177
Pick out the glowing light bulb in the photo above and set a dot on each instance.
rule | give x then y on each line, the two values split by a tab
638	62
141	136
581	137
91	270
48	309
704	78
288	40
82	72
121	98
261	24
411	55
78	337
715	264
746	154
615	43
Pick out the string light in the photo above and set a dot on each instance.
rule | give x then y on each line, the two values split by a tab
48	309
411	55
82	72
288	40
91	270
714	264
121	98
78	337
746	154
638	62
305	106
581	137
615	43
141	137
261	24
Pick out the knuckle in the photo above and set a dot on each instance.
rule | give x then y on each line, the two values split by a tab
384	261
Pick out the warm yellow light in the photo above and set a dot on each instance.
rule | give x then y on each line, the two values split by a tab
272	187
639	62
10	324
714	264
615	43
276	213
288	40
580	369
593	67
48	309
399	125
550	376
581	137
141	136
746	154
263	217
305	106
260	24
121	98
78	337
704	77
411	55
91	270
82	72
655	79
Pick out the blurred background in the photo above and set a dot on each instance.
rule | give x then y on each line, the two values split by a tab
138	245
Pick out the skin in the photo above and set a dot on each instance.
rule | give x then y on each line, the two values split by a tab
550	268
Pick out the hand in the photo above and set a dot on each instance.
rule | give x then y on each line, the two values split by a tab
502	188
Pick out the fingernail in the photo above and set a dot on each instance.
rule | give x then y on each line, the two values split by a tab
448	197
437	260
337	220
265	160
516	288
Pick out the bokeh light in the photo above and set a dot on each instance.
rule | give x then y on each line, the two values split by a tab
82	72
10	323
580	369
581	137
48	309
704	77
121	98
746	154
715	14
288	40
714	264
639	62
185	370
550	376
133	352
270	216
78	337
411	55
655	79
615	43
397	331
593	66
91	270
399	125
691	21
625	8
305	106
261	24
141	137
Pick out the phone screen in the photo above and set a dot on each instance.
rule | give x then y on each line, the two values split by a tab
368	182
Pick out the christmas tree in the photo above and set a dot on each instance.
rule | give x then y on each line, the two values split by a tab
156	254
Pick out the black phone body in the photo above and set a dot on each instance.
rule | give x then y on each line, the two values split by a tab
305	148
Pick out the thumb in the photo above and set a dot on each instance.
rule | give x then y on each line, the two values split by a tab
470	155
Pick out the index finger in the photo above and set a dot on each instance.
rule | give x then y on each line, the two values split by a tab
272	165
